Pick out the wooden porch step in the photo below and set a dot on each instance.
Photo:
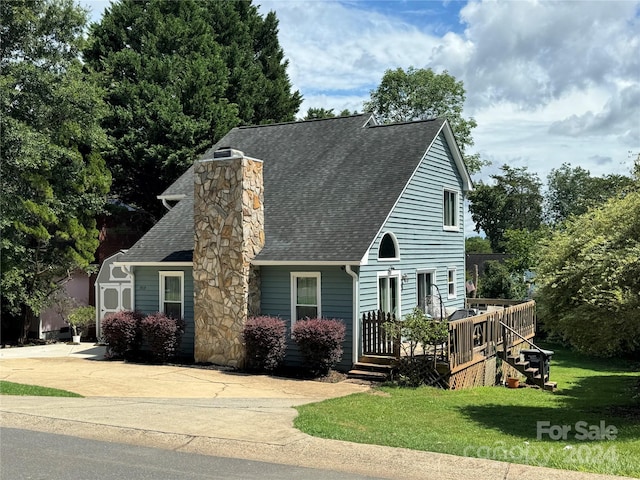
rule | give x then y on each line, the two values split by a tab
550	386
368	375
373	366
377	359
522	364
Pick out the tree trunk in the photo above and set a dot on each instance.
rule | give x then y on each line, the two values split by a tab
27	316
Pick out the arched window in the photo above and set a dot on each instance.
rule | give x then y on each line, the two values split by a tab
388	247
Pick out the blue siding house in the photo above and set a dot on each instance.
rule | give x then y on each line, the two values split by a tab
347	216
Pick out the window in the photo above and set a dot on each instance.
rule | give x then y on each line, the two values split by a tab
451	282
172	294
388	248
450	210
305	295
389	293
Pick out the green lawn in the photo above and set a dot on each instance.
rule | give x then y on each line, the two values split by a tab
499	423
10	388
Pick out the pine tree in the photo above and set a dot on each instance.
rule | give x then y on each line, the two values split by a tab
179	76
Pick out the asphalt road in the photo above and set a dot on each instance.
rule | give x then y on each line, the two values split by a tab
29	455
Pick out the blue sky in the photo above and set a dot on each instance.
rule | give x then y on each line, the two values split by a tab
548	82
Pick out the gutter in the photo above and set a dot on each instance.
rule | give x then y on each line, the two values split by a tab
356	314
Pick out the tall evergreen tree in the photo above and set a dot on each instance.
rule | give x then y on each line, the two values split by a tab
53	179
178	76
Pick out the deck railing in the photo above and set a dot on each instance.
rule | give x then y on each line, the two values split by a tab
471	339
474	339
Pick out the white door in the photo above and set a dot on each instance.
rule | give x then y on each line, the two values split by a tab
114	297
389	293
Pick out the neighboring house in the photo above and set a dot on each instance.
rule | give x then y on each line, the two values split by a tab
325	218
478	261
51	324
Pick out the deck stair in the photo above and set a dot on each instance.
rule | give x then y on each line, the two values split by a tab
373	368
535	375
532	374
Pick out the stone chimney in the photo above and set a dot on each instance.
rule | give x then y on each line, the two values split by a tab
229	233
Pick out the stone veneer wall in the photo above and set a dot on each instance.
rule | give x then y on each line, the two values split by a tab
229	233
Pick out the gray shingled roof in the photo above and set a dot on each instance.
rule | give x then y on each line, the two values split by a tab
329	185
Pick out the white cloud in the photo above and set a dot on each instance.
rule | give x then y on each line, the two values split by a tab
532	52
332	46
620	117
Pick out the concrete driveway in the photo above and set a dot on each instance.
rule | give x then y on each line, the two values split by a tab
212	412
82	369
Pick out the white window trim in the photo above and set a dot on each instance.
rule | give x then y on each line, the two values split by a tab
162	276
294	292
386	274
456	227
395	244
455	283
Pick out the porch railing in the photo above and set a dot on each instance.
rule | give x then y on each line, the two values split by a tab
375	339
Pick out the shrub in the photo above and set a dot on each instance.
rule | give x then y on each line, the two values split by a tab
80	318
320	342
163	334
121	331
421	334
265	341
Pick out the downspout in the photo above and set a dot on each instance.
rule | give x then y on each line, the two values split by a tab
356	314
166	204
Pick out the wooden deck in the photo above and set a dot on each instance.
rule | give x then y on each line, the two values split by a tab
501	330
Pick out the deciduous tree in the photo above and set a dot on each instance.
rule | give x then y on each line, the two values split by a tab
316	113
589	278
421	94
512	202
54	180
572	191
477	245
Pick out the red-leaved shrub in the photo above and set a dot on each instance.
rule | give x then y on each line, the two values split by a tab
265	342
121	331
163	334
320	342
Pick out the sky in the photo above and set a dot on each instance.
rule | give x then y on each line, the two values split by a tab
548	82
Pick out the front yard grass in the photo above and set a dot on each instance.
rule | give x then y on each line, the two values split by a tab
499	423
11	388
